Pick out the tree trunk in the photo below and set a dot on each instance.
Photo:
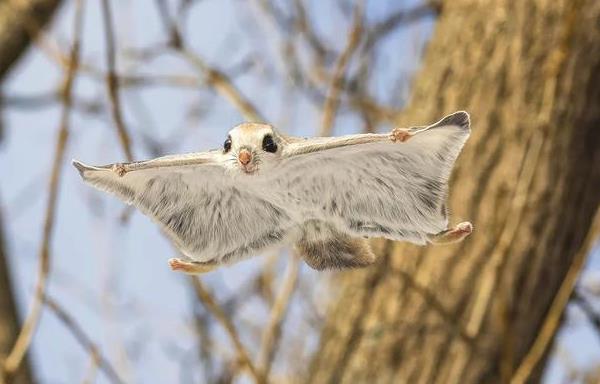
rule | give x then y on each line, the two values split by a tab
19	21
9	322
528	71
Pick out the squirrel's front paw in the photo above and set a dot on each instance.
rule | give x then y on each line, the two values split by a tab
401	134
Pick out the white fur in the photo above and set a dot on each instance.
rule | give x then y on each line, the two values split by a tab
359	185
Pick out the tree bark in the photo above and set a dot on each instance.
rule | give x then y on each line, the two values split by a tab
9	321
528	71
19	21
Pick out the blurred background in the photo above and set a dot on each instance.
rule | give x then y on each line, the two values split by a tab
86	294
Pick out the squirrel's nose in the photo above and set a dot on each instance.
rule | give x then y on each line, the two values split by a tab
244	157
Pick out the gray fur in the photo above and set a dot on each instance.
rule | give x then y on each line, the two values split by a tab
324	248
322	194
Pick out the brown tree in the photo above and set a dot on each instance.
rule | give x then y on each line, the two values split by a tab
529	179
19	21
9	322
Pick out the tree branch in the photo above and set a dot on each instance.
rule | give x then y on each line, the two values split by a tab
84	340
214	77
112	81
337	80
272	332
211	305
587	308
9	319
14	359
20	22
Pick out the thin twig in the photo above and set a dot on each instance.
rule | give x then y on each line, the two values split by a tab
205	345
214	77
401	17
587	308
275	15
223	86
83	339
303	26
552	321
291	67
28	16
47	100
169	24
272	332
14	359
210	303
337	80
310	83
92	371
145	80
112	81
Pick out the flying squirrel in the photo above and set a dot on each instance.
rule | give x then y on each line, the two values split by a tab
324	195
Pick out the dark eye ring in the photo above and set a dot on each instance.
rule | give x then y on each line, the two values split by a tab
268	144
227	145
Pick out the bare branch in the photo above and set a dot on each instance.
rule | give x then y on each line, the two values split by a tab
223	86
399	18
587	308
272	332
337	81
169	24
303	26
211	305
112	81
9	320
20	22
14	359
214	77
84	340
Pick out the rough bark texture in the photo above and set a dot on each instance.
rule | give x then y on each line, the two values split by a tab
9	322
19	20
528	71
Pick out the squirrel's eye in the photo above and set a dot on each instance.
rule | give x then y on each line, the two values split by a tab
227	145
268	144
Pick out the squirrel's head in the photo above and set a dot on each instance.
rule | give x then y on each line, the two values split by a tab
252	148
